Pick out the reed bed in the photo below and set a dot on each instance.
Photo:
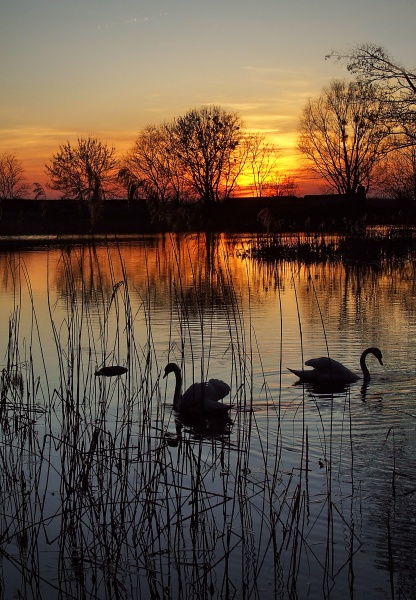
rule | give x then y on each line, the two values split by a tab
361	244
106	493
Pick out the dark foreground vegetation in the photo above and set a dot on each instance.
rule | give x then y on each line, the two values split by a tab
371	246
330	214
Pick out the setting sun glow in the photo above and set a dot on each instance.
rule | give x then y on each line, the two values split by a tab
108	69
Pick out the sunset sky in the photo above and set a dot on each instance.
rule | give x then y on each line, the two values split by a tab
108	68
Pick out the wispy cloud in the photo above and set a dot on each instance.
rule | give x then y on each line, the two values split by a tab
138	20
131	21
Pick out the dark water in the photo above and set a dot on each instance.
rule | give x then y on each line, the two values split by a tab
304	493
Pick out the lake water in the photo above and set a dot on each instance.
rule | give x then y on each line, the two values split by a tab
106	493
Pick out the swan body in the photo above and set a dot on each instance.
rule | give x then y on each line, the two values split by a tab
328	370
112	371
199	398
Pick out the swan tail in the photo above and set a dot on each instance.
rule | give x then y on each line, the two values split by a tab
296	372
308	376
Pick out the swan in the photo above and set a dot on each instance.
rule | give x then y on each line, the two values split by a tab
328	370
111	371
199	397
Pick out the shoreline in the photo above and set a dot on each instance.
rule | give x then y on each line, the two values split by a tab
47	219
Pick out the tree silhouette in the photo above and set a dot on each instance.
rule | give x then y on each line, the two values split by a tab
13	183
153	162
342	137
397	85
83	172
207	142
262	161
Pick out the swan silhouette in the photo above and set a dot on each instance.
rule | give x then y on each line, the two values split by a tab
328	370
199	398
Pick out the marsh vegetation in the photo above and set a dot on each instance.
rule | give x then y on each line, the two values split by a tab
105	492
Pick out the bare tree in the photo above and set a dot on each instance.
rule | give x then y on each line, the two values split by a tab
283	185
372	64
13	183
233	167
153	162
262	160
129	181
341	136
208	142
397	177
85	171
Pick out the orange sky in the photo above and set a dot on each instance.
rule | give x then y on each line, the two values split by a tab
108	68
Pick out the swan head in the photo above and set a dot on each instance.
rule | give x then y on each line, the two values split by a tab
376	352
171	368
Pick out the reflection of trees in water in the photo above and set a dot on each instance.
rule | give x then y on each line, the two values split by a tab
180	287
198	275
346	296
201	271
204	272
88	274
192	269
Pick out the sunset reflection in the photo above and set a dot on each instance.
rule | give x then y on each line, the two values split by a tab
210	272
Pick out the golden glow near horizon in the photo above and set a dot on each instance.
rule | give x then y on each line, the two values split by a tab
108	69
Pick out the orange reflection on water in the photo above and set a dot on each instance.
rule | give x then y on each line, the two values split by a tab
335	306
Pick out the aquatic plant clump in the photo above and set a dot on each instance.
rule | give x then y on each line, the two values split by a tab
373	245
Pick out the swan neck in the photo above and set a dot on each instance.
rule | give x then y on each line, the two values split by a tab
366	372
178	387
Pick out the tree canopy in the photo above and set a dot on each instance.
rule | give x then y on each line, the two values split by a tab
208	144
198	155
154	165
13	183
341	136
371	64
85	171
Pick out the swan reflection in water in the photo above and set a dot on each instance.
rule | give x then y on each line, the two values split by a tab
200	428
324	390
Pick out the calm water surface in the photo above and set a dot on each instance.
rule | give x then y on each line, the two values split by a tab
105	493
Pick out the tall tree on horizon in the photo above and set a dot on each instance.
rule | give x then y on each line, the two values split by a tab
153	162
342	136
85	171
262	160
13	183
208	143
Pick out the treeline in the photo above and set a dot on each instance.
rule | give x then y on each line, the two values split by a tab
204	155
356	137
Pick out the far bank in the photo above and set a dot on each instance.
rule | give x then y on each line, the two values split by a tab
236	215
